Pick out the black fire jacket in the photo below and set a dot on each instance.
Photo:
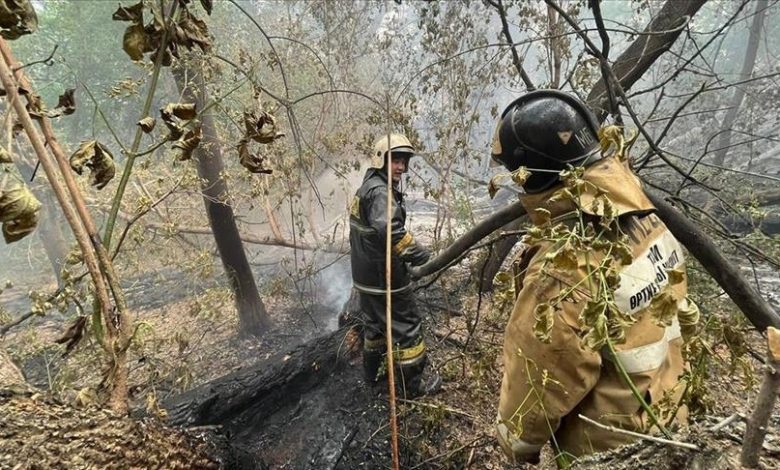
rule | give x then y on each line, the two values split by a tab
367	235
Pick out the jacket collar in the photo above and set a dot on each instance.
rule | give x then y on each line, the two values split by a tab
614	177
378	172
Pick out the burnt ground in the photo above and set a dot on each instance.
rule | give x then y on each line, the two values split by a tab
335	421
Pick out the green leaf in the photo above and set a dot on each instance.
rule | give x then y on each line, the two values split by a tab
98	159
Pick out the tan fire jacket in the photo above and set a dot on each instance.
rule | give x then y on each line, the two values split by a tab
546	386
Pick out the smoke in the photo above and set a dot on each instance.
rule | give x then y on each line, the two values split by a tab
335	286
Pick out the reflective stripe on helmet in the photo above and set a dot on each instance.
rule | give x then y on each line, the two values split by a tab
650	356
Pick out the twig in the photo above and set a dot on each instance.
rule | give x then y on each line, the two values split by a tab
44	61
724	422
498	5
645	437
436	406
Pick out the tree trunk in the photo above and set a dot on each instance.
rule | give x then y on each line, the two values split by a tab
724	140
252	315
645	50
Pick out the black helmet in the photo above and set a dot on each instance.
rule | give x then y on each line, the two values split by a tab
545	131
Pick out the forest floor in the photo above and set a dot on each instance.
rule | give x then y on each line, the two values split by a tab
342	422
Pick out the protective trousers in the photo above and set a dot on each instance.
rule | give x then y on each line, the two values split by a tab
410	357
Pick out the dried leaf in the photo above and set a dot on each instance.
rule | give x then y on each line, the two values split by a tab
191	31
663	308
98	159
5	157
147	124
544	316
85	398
188	143
207	5
135	42
260	127
173	111
493	186
65	105
19	211
17	18
565	258
134	13
72	335
252	162
520	176
544	215
676	276
688	316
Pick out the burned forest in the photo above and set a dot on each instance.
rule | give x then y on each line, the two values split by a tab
403	234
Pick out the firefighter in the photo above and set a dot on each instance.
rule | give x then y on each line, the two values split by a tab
367	237
546	385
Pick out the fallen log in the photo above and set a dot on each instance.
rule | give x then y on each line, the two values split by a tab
260	389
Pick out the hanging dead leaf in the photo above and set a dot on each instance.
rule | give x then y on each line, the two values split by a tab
98	159
676	276
493	186
133	13
19	211
207	5
147	124
260	127
135	42
17	18
5	157
520	176
252	162
174	111
663	308
188	143
191	31
65	105
72	335
688	316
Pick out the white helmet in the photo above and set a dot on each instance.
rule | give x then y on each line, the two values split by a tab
398	143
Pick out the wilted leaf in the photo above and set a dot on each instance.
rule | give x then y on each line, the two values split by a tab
663	308
260	127
19	211
565	258
676	276
188	143
493	186
72	335
17	18
623	253
173	111
520	176
543	214
65	105
543	322
85	398
688	317
252	162
5	157
135	42
191	31
147	124
207	5
98	159
134	13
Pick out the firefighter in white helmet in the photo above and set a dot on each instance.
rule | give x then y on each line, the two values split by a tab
547	385
367	236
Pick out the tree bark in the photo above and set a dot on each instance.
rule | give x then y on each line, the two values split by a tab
498	254
756	428
724	139
645	50
252	314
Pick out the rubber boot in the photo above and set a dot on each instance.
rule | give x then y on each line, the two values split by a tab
372	362
416	380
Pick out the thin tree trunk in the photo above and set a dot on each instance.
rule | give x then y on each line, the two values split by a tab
252	314
498	254
724	140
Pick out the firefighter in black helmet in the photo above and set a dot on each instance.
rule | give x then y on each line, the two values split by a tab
548	385
367	236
